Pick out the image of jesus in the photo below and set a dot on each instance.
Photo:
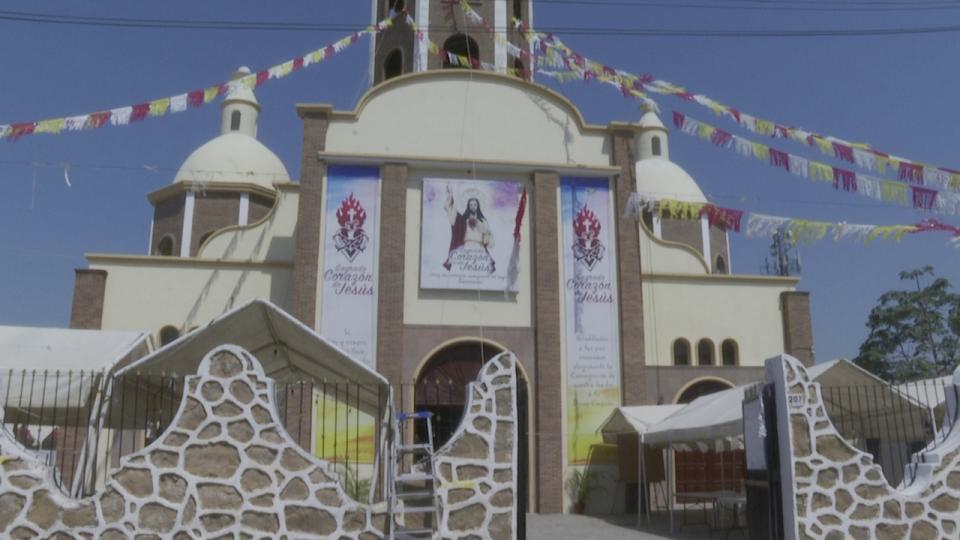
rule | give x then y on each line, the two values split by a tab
470	238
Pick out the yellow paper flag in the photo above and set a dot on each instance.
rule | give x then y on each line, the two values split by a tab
761	152
159	107
821	171
210	94
893	191
763	126
50	126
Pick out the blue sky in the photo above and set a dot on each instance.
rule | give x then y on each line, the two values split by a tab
897	93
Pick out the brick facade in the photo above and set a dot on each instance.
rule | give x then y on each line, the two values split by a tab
259	208
400	37
306	258
168	220
628	260
548	373
212	211
89	287
797	326
393	218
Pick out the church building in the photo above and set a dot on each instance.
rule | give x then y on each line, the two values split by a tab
450	215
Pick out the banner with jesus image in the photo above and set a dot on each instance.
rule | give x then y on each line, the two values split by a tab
591	311
470	234
348	313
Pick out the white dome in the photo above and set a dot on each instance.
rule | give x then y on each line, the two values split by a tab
233	157
663	179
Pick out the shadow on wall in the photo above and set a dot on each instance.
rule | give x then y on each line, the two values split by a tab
224	467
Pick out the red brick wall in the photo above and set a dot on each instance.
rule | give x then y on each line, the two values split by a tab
549	375
797	326
168	219
89	286
306	258
213	211
628	268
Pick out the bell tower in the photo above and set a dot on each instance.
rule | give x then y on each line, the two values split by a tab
397	51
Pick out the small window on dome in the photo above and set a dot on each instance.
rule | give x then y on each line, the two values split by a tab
655	146
165	246
168	334
721	266
393	65
235	121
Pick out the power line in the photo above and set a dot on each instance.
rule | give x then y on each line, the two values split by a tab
857	7
572	30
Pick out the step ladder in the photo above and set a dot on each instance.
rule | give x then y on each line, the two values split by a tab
414	483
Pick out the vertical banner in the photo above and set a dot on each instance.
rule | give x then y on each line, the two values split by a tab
467	234
591	311
348	314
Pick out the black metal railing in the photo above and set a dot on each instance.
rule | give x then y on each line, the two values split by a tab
892	422
82	423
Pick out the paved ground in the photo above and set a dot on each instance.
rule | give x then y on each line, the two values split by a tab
555	526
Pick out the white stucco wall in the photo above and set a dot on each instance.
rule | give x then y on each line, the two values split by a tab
464	308
269	239
746	309
487	116
150	293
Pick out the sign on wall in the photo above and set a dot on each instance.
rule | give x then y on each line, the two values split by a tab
348	315
467	234
591	311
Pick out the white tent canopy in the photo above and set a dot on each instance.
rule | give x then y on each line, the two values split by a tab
638	419
706	420
288	350
41	367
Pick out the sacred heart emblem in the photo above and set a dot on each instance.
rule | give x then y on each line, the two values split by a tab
587	247
350	239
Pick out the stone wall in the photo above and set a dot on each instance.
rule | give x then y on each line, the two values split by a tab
476	467
837	490
227	469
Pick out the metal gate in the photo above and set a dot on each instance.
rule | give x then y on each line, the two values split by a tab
763	482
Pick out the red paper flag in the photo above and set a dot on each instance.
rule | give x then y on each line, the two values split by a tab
139	112
678	119
843	152
98	119
911	172
195	98
923	198
779	158
845	179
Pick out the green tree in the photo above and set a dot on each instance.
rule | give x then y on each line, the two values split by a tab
914	333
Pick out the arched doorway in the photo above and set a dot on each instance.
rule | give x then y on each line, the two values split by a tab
702	388
441	388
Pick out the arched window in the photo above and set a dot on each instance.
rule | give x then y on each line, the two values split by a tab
518	68
165	246
655	146
720	267
393	65
168	334
729	353
705	352
461	46
396	6
235	121
681	352
702	388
